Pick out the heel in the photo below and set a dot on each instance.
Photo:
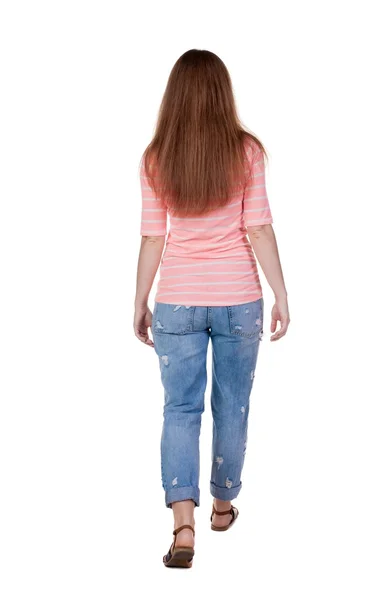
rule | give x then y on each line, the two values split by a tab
179	556
234	514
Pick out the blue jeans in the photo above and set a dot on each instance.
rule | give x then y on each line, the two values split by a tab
181	336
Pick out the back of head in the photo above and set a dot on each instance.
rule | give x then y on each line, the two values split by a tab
196	159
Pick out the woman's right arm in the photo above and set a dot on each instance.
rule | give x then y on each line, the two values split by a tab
263	241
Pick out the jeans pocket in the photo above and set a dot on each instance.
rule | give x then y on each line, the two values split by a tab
172	318
247	319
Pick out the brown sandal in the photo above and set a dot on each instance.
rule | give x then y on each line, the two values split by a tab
180	556
232	510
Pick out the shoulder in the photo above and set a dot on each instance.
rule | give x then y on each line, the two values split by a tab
148	166
252	149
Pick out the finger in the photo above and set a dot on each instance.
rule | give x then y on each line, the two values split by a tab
273	325
140	336
143	337
141	331
281	332
273	330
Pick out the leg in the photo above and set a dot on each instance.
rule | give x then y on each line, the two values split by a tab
235	338
183	372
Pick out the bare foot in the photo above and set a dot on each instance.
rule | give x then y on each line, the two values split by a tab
221	506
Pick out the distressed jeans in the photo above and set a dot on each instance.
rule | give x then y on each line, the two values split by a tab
181	336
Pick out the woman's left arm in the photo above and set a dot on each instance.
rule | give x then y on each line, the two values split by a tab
151	250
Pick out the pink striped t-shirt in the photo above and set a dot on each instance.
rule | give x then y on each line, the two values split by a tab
208	260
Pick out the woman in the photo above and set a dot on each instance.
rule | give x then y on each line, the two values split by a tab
208	173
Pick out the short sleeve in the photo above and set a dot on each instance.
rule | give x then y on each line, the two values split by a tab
154	213
256	208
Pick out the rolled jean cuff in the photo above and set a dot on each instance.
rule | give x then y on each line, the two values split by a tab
177	494
224	493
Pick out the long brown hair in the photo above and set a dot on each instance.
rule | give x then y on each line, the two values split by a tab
196	159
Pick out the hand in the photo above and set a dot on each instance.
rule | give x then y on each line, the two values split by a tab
279	313
143	320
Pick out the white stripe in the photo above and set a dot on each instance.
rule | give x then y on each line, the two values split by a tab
256	209
215	303
212	273
154	210
206	218
256	198
217	262
216	293
254	187
232	204
228	225
152	220
153	233
248	255
260	220
242	254
212	283
248	246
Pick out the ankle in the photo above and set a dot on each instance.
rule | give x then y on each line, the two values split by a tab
182	521
222	505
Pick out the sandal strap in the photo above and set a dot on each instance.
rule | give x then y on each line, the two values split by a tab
169	554
222	512
176	531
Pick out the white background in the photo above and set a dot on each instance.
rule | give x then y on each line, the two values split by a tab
82	509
